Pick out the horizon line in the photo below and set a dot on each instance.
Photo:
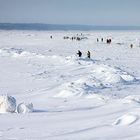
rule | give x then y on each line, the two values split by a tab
65	27
63	24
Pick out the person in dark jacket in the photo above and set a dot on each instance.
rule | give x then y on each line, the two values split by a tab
131	46
88	54
79	53
108	41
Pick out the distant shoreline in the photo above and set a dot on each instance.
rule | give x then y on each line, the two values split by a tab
57	27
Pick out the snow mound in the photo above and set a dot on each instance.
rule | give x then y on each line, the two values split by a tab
101	77
7	104
19	53
126	119
22	54
70	90
97	97
25	108
59	60
72	59
132	99
26	54
111	75
83	86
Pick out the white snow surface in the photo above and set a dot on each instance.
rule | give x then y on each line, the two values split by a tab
74	98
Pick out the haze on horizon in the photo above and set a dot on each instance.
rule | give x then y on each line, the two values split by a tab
83	12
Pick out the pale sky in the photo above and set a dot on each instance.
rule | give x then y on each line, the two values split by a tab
88	12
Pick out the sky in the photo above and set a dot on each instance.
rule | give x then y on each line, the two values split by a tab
83	12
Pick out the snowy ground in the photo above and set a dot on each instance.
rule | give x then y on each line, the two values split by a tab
74	99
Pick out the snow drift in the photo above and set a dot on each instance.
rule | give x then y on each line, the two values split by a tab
99	78
19	53
126	119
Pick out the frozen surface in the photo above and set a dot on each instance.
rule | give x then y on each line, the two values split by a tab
74	98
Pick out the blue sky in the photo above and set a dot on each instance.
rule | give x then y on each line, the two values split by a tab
88	12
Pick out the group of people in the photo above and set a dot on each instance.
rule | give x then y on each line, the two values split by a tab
101	39
108	41
76	38
79	53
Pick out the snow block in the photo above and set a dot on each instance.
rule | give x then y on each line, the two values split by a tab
126	119
25	108
7	104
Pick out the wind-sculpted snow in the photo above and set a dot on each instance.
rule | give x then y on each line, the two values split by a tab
135	99
60	96
110	75
19	53
126	119
22	54
97	78
100	77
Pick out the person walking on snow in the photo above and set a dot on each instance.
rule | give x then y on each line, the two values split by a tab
79	53
88	54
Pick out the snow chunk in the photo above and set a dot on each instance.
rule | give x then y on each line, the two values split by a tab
7	104
132	99
126	119
25	108
128	77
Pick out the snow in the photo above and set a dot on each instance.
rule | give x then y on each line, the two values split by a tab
25	108
126	119
7	104
60	96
